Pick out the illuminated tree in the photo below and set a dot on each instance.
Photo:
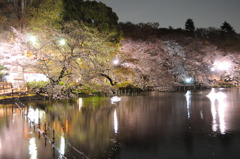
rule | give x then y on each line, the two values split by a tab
147	62
72	57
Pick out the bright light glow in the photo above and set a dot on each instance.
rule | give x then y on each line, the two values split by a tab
188	99
62	145
221	114
115	99
212	97
218	106
213	69
62	42
115	119
80	103
189	80
222	66
32	148
201	114
116	62
32	39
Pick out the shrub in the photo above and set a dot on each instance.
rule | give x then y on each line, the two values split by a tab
33	85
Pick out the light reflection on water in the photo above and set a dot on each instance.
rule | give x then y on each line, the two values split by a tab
35	114
188	98
218	106
80	103
62	145
32	148
143	126
115	120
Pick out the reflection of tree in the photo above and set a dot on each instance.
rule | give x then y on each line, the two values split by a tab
89	130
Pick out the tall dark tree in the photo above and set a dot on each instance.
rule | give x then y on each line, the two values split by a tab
5	15
226	27
45	14
21	11
93	13
189	25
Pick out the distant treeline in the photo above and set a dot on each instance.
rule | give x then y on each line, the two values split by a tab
224	38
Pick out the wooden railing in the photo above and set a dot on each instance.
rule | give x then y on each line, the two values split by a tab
8	88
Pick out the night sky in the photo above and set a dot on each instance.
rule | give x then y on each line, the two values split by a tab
174	13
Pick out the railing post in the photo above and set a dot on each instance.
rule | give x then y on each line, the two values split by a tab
39	126
45	128
12	88
39	123
53	152
33	125
45	141
53	137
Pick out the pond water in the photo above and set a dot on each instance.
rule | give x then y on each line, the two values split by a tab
183	125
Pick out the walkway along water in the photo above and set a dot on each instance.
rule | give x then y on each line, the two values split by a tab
48	133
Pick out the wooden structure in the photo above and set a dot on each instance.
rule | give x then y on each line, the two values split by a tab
7	88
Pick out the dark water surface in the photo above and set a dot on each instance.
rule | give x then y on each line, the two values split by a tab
181	125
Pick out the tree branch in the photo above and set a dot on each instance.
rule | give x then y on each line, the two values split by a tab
109	78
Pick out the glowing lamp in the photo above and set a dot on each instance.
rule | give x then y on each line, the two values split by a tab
116	61
32	39
62	42
213	69
223	66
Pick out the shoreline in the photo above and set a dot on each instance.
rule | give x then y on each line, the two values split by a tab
22	98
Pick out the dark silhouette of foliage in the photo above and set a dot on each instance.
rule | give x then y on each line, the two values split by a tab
93	13
227	41
227	28
189	25
140	30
